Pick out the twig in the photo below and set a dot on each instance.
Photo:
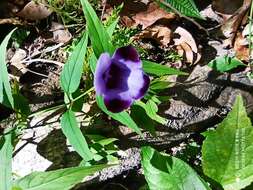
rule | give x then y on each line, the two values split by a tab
187	18
43	61
13	21
104	2
48	49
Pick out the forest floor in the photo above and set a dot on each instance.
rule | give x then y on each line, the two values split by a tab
198	101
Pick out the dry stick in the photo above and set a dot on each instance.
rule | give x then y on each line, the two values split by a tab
49	49
13	21
43	61
187	18
104	2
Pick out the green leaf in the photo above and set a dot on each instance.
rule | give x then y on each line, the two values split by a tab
100	39
111	28
225	63
151	109
93	62
122	117
166	172
21	104
62	179
141	118
73	133
160	70
185	7
159	85
5	88
72	70
227	151
6	149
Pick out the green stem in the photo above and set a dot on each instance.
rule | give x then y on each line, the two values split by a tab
54	108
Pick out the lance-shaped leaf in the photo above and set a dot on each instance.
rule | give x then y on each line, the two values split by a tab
63	179
100	39
227	151
5	88
72	70
6	149
73	133
160	70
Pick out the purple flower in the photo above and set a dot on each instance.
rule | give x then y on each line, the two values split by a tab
120	79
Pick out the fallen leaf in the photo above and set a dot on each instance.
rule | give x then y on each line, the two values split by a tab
144	13
227	7
60	33
241	45
16	67
161	34
34	11
186	45
151	15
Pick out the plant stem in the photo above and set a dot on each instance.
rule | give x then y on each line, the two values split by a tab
61	105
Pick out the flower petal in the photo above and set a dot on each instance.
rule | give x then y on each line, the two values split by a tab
117	103
116	77
138	83
103	63
128	56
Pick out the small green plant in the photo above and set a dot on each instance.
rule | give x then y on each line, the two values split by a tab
226	158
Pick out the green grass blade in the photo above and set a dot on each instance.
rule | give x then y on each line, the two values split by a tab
5	88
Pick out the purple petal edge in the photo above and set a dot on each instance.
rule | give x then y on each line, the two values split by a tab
128	53
117	104
103	64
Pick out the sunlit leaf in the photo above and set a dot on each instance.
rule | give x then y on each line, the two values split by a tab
73	133
225	63
6	149
5	88
160	70
166	172
72	70
63	179
185	7
227	151
98	35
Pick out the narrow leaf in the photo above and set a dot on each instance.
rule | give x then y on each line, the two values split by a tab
166	172
160	70
6	149
5	88
73	133
122	117
98	35
227	151
62	179
72	70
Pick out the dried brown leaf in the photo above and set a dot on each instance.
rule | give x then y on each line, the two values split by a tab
60	33
151	15
34	11
186	45
161	34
